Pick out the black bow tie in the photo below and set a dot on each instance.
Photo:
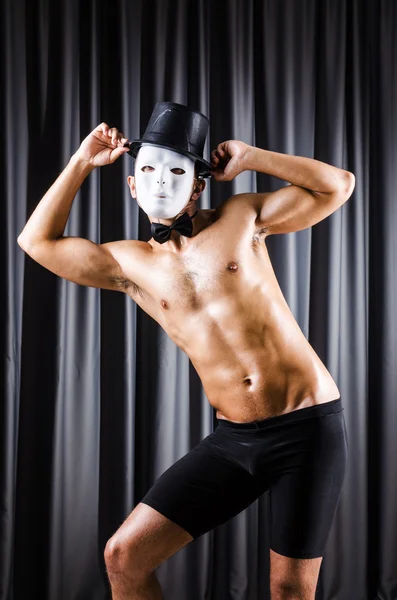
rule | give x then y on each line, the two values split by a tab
183	224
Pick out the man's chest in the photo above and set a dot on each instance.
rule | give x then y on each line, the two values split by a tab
222	261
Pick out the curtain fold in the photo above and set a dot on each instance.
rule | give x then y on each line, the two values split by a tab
97	401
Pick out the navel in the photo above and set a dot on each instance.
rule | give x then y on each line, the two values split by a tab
232	266
247	381
164	304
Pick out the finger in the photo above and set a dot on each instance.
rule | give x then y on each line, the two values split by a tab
122	141
113	133
102	127
217	176
118	152
229	166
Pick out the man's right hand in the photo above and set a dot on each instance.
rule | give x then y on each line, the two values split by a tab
102	146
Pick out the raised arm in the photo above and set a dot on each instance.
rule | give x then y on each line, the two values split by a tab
73	258
317	190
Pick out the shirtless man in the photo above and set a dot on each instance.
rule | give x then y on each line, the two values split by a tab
216	295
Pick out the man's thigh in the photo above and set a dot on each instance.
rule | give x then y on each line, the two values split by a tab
205	488
304	499
200	491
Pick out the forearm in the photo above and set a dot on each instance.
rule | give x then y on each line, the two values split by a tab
305	172
48	221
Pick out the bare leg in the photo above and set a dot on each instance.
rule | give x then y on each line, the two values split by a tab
144	541
148	589
293	578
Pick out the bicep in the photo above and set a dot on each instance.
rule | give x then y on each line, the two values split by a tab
293	208
81	261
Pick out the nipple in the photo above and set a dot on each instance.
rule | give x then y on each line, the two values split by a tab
164	304
232	266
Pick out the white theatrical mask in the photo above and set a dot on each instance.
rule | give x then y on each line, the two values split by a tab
163	180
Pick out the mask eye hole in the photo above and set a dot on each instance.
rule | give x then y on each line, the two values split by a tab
178	171
147	169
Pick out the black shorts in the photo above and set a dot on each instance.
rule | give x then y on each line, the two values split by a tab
300	457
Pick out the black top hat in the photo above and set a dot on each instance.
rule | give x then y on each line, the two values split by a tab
179	128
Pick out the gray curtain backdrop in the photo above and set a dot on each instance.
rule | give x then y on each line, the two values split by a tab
97	402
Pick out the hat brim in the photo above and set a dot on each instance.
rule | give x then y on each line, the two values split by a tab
205	167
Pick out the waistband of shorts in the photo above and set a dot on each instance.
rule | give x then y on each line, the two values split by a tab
317	410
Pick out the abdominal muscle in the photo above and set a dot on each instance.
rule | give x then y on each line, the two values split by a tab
251	371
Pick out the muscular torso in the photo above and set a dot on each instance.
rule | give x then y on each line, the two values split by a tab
218	299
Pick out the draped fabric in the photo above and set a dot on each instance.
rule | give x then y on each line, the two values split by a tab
96	400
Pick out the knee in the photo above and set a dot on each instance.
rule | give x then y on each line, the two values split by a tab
119	557
112	551
291	590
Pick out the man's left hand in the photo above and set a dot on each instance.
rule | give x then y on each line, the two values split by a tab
228	160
